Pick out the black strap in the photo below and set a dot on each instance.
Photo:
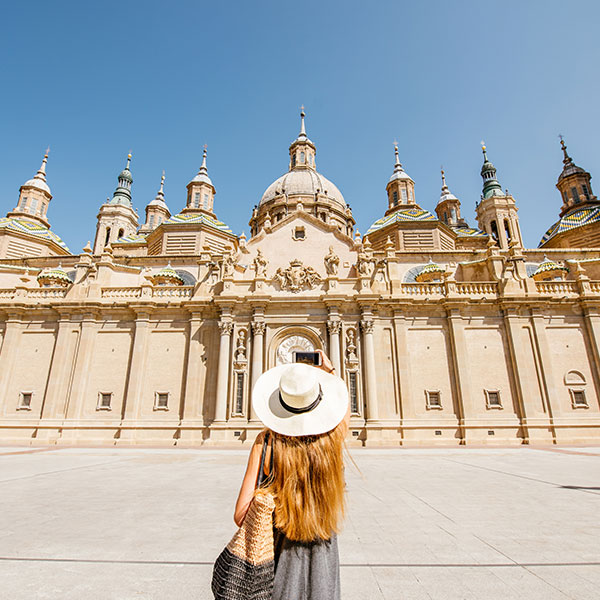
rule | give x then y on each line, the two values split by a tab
261	470
298	411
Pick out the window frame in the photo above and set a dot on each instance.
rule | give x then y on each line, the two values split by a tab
22	405
157	396
493	406
430	405
100	405
578	390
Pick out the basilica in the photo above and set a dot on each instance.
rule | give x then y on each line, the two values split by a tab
447	332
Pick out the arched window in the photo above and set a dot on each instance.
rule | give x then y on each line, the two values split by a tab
494	230
121	233
151	220
507	230
107	239
302	158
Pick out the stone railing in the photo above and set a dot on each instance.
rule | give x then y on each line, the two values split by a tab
178	291
121	292
595	287
47	292
424	289
555	288
7	294
476	288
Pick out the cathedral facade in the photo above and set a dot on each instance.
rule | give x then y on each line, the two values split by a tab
445	333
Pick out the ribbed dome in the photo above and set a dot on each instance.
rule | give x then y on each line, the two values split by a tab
303	182
38	183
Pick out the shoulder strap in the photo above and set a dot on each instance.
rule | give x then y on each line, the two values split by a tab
261	470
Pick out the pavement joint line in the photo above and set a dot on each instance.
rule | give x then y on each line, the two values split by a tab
108	462
522	565
30	451
575	488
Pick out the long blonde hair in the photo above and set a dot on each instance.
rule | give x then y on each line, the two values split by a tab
308	484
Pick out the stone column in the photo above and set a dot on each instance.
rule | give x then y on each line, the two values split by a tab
460	362
545	355
85	348
58	379
512	325
256	369
334	327
137	367
8	355
226	328
592	323
193	414
407	406
367	325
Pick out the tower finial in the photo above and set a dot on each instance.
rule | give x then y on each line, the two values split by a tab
302	115
203	168
41	174
162	182
397	163
128	160
444	186
567	159
483	149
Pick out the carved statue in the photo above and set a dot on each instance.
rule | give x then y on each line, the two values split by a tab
332	262
365	263
351	345
296	276
260	264
228	265
240	353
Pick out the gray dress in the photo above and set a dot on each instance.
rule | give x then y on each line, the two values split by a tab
306	571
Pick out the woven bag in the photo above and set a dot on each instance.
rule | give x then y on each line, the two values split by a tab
246	568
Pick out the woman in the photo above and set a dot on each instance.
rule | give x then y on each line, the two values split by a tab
306	413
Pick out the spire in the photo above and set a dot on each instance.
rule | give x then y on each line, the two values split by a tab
302	129
302	150
122	193
491	187
567	160
41	174
445	189
202	175
39	179
399	172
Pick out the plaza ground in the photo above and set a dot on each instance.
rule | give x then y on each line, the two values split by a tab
434	524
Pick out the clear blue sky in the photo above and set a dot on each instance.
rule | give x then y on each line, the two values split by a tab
94	80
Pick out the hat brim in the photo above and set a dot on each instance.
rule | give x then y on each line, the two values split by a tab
329	413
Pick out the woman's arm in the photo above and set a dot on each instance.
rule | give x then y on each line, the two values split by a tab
249	482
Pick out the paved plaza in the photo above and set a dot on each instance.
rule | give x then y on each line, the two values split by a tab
435	524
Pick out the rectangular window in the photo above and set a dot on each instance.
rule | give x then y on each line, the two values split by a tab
33	206
206	201
353	389
578	399
25	399
404	195
434	399
395	197
161	401
493	399
586	192
104	401
299	233
575	194
197	200
239	393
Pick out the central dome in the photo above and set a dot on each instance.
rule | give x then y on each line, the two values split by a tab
303	182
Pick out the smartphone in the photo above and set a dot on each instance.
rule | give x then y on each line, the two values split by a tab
310	358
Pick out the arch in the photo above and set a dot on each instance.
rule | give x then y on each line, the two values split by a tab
289	331
107	239
574	378
121	233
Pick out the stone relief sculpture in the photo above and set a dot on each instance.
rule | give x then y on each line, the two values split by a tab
296	277
351	346
240	350
229	263
365	264
286	349
260	264
332	262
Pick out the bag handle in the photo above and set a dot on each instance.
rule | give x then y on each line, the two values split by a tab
261	471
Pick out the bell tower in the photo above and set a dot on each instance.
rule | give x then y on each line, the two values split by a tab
201	192
497	210
448	206
157	211
574	184
117	217
400	188
34	197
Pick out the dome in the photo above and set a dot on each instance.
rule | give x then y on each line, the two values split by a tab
303	182
549	265
126	174
400	174
56	276
576	218
33	228
39	184
202	178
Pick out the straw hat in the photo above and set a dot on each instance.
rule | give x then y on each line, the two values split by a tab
299	399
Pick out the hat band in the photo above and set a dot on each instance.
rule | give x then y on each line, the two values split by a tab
304	409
